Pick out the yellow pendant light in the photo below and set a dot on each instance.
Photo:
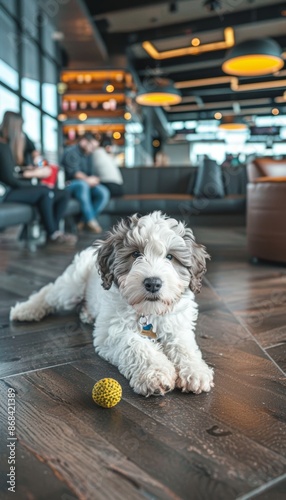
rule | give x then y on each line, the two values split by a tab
232	124
254	58
158	92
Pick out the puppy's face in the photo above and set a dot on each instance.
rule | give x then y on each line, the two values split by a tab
153	260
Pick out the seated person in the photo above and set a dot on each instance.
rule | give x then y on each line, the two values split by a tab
161	159
17	155
81	182
104	165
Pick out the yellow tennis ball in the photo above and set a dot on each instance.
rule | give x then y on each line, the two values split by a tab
107	392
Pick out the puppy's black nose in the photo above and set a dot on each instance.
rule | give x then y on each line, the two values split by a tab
152	285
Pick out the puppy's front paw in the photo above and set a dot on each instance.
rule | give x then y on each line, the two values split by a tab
195	377
155	381
86	317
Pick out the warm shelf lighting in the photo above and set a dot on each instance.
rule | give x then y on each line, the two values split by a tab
98	97
109	88
218	116
275	111
97	75
127	115
254	58
82	117
106	128
156	143
116	135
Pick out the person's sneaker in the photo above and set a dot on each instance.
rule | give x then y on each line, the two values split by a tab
80	226
63	239
93	226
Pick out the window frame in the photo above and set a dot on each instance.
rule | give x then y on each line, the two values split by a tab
22	30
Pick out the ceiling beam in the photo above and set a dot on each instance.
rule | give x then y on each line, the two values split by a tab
247	16
109	6
209	115
192	65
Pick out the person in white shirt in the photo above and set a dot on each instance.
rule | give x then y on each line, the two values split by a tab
104	166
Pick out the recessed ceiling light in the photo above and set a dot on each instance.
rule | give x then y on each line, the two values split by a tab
195	42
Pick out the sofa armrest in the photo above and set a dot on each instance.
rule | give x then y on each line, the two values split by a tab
253	171
270	179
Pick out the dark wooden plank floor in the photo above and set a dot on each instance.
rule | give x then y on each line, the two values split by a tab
229	444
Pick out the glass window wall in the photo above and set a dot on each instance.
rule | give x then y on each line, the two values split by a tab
29	70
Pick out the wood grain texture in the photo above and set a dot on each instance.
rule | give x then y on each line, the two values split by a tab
228	444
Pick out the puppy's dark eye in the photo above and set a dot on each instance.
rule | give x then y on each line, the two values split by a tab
169	256
136	254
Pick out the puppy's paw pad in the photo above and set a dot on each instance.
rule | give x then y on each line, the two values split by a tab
195	379
85	317
24	311
154	382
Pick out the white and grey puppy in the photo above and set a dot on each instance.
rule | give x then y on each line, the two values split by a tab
150	268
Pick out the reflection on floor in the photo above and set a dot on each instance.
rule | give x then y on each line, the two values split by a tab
229	444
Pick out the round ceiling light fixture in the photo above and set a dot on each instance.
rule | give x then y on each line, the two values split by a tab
254	58
232	124
158	92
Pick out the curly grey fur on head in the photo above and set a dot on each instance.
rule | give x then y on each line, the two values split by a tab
136	233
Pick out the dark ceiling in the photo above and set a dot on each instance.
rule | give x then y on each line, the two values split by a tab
124	25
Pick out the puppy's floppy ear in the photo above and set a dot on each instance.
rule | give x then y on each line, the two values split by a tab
105	260
198	267
109	248
199	256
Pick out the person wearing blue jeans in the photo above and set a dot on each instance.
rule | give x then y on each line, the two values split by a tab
92	199
84	186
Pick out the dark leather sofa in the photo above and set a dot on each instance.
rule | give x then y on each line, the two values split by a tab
169	189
